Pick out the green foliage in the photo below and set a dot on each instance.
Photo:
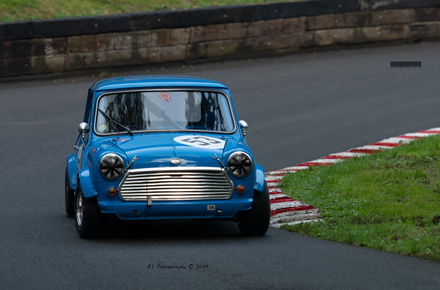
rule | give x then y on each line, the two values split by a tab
15	10
388	201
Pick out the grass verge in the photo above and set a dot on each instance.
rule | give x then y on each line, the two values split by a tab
15	10
388	201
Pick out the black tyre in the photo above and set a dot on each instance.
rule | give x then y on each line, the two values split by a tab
255	221
88	217
69	197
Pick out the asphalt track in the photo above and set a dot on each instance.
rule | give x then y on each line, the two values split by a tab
298	108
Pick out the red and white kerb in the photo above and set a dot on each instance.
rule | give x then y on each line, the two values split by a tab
285	210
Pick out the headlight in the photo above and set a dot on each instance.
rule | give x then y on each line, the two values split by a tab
111	166
239	164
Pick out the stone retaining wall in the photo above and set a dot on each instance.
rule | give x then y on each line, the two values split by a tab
238	31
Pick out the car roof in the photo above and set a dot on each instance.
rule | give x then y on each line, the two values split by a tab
140	82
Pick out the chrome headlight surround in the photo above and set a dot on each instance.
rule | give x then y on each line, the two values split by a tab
111	166
239	164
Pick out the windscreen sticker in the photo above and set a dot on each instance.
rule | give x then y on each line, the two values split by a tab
165	97
102	127
201	142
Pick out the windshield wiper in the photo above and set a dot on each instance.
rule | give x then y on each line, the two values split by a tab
113	123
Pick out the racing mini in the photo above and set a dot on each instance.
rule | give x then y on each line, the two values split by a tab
163	147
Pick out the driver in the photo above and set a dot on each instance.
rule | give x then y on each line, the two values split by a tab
128	109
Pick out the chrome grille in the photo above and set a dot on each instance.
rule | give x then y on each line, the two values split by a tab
176	183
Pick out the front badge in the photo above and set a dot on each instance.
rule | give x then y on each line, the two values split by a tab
175	161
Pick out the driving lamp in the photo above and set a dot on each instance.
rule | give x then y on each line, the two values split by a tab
111	166
239	164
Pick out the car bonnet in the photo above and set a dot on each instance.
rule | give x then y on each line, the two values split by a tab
157	150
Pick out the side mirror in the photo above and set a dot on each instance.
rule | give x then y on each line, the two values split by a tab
243	126
83	129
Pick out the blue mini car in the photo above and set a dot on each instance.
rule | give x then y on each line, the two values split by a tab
163	147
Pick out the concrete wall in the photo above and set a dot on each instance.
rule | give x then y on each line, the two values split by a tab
213	33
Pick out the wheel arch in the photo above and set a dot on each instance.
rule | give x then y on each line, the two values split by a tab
72	170
86	184
259	178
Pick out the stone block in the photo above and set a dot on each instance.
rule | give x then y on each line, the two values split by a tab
167	37
421	30
31	65
110	41
196	50
365	34
278	26
48	63
355	35
349	19
216	32
427	14
363	18
318	38
89	43
394	32
84	60
343	35
320	22
167	53
271	42
380	33
243	46
401	16
33	47
221	48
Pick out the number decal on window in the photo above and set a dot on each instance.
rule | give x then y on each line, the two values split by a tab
201	142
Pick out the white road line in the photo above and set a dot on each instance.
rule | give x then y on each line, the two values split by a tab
348	154
327	160
296	168
279	172
271	178
373	147
288	204
277	226
396	140
295	218
419	134
274	190
296	213
273	184
273	196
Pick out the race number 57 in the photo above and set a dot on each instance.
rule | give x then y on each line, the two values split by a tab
201	142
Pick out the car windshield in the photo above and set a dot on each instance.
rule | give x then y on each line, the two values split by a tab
164	110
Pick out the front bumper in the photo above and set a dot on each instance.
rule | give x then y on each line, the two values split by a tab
205	209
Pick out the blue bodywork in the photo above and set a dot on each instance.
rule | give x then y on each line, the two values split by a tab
154	150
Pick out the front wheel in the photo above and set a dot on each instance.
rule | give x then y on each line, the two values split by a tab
88	217
255	221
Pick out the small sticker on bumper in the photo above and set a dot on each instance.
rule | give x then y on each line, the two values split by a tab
211	207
